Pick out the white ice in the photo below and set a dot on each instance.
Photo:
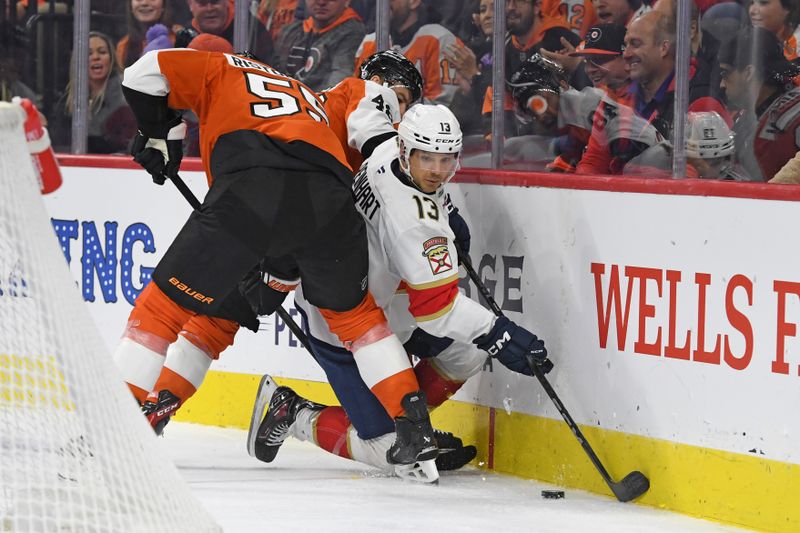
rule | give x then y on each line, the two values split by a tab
306	489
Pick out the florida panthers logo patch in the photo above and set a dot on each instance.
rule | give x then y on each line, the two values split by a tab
438	255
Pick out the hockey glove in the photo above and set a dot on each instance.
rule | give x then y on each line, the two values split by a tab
512	344
461	230
161	158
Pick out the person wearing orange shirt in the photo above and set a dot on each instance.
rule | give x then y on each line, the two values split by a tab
423	43
279	209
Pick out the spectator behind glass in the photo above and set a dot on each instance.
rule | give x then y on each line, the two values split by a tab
619	11
275	15
528	33
779	17
12	55
111	122
757	80
320	50
540	93
216	17
142	15
603	62
473	64
650	56
423	43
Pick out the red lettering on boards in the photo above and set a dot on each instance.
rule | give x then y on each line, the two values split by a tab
609	297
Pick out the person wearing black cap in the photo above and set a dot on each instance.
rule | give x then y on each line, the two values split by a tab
602	55
758	81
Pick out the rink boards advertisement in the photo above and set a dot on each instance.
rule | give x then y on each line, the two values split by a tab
670	314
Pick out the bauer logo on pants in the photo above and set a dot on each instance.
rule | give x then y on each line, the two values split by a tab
438	255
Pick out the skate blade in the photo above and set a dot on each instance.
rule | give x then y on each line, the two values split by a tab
266	388
419	472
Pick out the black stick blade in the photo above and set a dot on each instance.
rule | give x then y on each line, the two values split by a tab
631	486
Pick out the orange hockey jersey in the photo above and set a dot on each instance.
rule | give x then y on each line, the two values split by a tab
230	93
361	113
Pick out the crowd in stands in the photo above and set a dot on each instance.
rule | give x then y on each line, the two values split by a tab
590	84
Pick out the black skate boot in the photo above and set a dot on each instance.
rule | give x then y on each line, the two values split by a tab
414	448
284	404
452	452
159	412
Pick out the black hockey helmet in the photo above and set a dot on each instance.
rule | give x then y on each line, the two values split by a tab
536	75
395	69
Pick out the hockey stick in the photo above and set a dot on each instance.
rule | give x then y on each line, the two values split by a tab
631	486
282	313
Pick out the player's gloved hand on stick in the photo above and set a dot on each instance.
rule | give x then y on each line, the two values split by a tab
161	158
460	229
512	345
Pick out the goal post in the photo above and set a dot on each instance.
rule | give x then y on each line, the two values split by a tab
76	454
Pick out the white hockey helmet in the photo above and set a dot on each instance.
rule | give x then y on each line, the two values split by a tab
708	136
429	128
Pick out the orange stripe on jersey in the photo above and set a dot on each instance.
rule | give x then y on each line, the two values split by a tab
229	93
351	325
428	302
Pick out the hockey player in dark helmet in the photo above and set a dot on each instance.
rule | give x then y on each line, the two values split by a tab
391	69
536	87
543	97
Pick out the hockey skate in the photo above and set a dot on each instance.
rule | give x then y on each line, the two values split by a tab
159	412
452	452
414	450
264	439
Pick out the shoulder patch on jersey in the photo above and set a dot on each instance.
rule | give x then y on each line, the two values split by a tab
438	254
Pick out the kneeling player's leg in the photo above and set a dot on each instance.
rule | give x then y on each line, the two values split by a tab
444	364
152	326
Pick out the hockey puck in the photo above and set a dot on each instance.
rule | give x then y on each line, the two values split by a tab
553	494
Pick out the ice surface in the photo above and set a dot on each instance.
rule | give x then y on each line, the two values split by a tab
306	489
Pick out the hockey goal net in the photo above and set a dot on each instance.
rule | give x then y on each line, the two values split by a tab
75	452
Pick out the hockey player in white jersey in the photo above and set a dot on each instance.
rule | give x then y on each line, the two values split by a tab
399	192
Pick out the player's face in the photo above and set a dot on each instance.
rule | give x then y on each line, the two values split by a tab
147	11
403	98
211	15
429	170
768	14
99	59
325	12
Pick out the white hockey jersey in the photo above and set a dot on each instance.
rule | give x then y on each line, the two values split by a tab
411	251
360	111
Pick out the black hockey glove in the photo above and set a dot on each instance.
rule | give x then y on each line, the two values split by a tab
512	344
461	230
161	158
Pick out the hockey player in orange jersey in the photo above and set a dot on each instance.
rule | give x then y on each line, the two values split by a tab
280	191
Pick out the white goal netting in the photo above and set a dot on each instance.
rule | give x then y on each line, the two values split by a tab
75	452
